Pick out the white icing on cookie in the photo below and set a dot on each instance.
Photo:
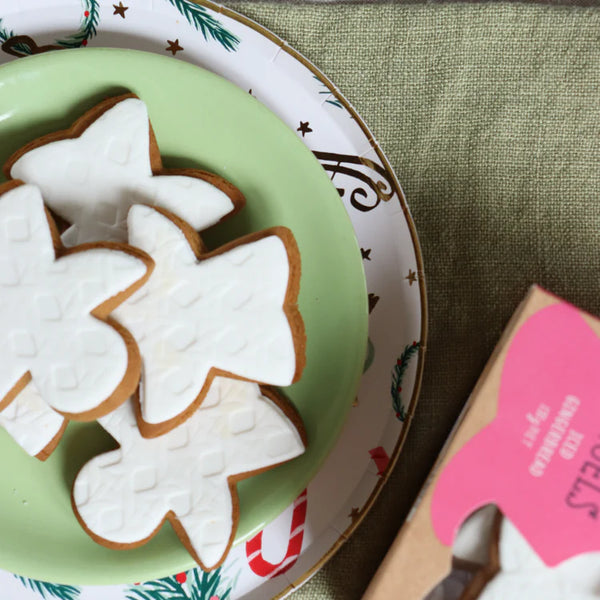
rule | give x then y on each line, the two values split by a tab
224	312
30	421
523	575
452	586
76	361
533	586
474	537
91	181
122	496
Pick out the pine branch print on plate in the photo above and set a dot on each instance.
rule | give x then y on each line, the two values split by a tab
168	588
398	375
203	21
7	34
88	28
192	585
208	585
333	101
51	590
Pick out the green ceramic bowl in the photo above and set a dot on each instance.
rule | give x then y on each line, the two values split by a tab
200	120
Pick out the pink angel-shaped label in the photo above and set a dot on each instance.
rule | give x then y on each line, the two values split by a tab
539	460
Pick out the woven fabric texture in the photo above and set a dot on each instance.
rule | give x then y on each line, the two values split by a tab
490	116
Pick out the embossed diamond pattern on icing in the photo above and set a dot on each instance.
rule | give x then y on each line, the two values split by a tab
177	381
236	299
193	463
112	519
179	438
279	442
110	459
212	462
241	420
110	164
181	503
221	312
181	337
65	377
233	343
17	229
23	343
48	307
240	256
118	150
185	294
144	478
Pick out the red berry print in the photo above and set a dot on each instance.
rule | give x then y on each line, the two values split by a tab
86	13
181	577
84	43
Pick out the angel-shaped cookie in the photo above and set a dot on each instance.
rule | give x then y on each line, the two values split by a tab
523	575
54	316
109	160
230	312
188	475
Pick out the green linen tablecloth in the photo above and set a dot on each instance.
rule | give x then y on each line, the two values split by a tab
490	116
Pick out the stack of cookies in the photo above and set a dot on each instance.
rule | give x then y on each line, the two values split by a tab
114	310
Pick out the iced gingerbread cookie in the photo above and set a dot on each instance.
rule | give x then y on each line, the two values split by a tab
521	574
32	423
188	475
109	160
474	538
54	317
230	312
474	557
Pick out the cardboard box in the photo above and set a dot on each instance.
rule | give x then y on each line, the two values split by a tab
418	559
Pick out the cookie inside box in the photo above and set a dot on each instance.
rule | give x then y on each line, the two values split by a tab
526	443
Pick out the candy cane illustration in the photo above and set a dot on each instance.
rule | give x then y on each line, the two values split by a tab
264	568
380	458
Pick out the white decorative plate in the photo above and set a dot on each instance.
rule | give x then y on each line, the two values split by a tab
280	558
